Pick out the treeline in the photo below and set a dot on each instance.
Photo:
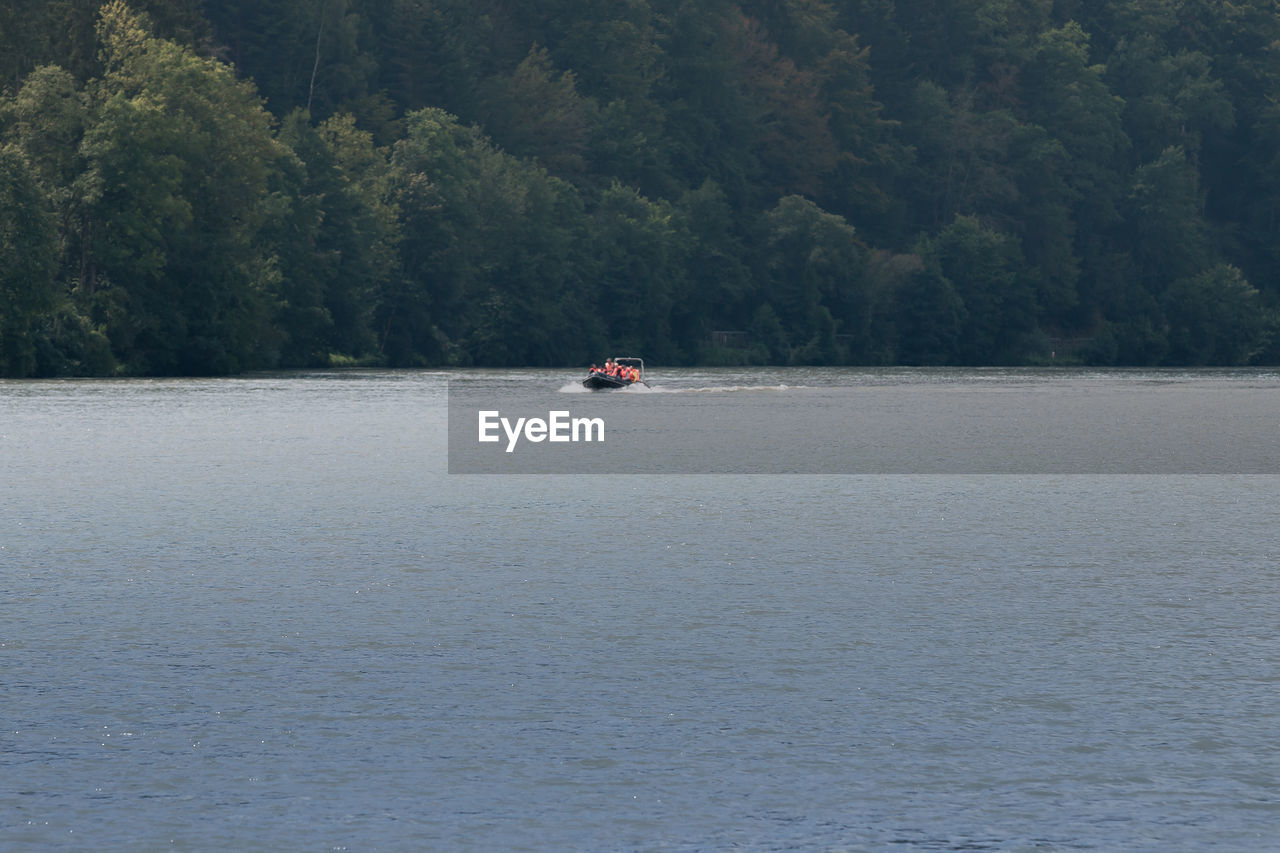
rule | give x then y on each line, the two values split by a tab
196	187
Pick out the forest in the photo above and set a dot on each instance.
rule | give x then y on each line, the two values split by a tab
201	188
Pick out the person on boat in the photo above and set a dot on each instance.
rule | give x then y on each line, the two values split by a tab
610	369
594	369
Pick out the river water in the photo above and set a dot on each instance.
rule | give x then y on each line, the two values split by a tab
258	613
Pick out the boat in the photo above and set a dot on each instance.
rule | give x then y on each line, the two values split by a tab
598	380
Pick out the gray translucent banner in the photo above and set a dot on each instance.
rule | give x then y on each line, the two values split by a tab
1082	426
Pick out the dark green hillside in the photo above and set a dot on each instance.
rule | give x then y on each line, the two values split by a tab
209	187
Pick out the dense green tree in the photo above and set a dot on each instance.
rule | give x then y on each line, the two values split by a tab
770	341
538	305
63	32
1170	239
985	270
493	254
28	252
815	265
47	119
790	137
714	291
334	234
428	311
1067	95
707	130
425	61
301	53
1216	317
1170	99
640	271
24	40
869	157
538	113
616	52
929	318
1134	331
177	163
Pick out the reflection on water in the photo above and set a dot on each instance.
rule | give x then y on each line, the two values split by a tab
256	613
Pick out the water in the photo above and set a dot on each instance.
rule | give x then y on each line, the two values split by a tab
256	614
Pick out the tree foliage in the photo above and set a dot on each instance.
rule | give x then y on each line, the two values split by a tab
27	254
197	187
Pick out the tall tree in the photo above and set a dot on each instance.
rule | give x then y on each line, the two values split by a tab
985	269
713	293
178	157
1216	317
537	112
493	255
815	280
28	253
1170	238
640	271
47	119
335	234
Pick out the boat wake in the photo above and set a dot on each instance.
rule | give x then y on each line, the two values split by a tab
577	388
722	389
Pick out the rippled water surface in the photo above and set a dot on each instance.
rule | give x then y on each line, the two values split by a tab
256	613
